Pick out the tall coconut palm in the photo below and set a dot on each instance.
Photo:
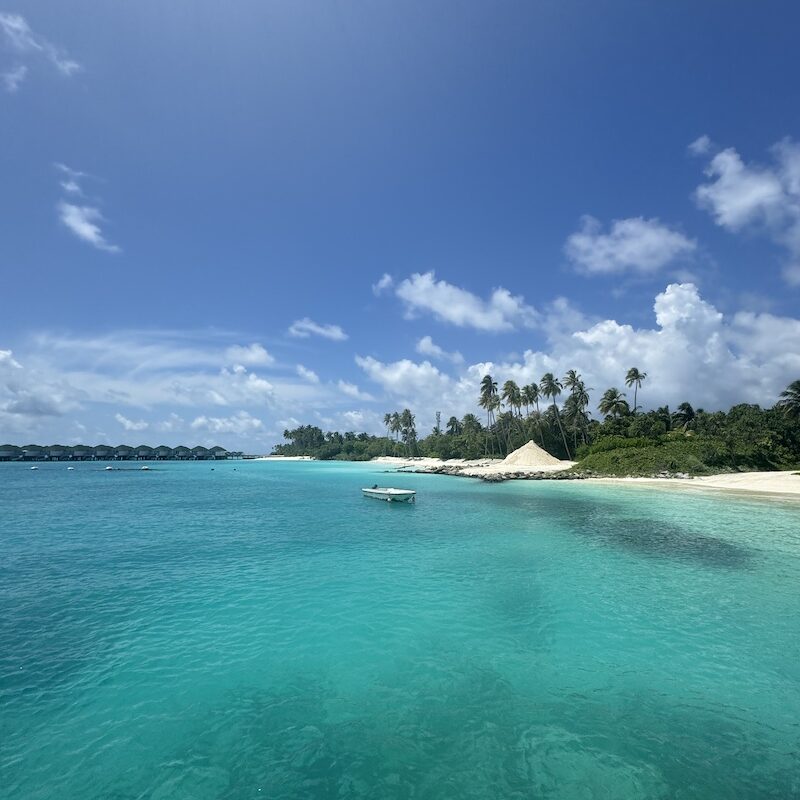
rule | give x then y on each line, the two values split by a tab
408	429
396	427
512	396
613	403
530	396
453	426
684	415
580	396
489	401
571	380
790	400
550	387
636	379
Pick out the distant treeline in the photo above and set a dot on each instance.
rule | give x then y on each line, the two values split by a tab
624	441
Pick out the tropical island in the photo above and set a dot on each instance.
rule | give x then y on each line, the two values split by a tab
625	442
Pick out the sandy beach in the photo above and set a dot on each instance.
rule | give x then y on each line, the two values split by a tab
786	483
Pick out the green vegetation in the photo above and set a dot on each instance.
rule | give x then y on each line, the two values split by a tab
625	442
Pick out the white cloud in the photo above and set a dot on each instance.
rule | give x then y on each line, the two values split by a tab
240	424
700	146
307	374
303	328
25	42
13	78
632	245
131	425
171	424
448	303
351	390
83	222
7	358
427	347
253	355
386	282
693	352
766	199
28	396
407	380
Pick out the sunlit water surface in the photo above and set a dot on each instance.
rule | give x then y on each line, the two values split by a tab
261	630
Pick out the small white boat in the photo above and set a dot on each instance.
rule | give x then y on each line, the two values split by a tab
34	467
390	495
69	468
108	469
144	467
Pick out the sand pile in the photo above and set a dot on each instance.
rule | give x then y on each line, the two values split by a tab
530	455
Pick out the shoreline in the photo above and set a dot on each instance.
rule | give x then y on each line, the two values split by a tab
778	484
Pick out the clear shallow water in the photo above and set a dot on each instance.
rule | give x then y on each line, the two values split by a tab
264	631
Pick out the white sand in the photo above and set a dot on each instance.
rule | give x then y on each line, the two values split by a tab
284	458
531	455
771	483
765	483
526	459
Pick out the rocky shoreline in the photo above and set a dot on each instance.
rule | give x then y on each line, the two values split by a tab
527	475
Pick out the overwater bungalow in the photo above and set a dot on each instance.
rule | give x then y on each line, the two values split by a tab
59	452
82	452
33	452
10	452
123	452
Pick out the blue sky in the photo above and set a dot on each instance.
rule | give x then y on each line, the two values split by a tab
218	219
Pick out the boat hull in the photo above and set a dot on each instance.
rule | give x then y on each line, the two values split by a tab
391	495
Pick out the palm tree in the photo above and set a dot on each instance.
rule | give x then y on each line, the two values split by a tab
530	396
470	424
550	387
395	428
488	400
613	403
453	426
408	429
790	400
571	380
684	415
512	396
634	378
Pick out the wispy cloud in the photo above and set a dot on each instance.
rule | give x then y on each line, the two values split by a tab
84	222
307	374
131	425
386	282
13	78
251	355
351	390
26	44
240	424
760	198
448	303
303	328
427	347
631	245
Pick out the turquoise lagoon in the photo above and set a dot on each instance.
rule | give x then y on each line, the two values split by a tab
261	630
